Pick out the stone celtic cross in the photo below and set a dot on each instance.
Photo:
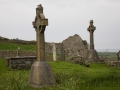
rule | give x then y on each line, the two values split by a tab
41	72
91	29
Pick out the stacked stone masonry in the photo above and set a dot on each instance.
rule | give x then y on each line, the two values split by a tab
75	46
13	53
20	62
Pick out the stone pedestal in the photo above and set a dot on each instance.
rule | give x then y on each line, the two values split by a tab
41	72
92	53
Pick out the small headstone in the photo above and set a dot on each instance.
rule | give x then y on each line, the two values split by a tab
118	54
0	54
62	52
18	52
54	52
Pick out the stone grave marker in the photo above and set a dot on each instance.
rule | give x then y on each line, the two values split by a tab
41	72
54	52
118	55
18	52
92	54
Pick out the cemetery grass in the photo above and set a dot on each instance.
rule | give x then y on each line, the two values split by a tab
68	77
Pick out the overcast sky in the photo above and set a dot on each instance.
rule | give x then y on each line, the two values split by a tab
66	18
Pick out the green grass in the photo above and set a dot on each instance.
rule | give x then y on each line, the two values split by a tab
14	46
68	77
109	55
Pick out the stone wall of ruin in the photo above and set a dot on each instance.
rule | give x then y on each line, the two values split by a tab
75	46
13	53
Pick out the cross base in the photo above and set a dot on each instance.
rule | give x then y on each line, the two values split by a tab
92	56
41	75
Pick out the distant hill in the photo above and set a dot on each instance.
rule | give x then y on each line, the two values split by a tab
18	41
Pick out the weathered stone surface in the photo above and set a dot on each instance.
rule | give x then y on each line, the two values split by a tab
118	55
74	46
112	63
20	62
41	73
92	55
54	52
18	51
13	53
62	52
76	60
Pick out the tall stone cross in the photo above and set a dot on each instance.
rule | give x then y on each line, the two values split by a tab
91	29
40	24
92	53
41	72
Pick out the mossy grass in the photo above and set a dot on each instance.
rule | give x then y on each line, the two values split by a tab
68	77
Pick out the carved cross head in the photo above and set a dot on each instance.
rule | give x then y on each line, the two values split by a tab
91	22
91	26
39	9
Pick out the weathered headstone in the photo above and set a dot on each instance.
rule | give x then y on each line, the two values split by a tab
54	52
18	52
14	53
8	53
41	72
0	54
118	55
3	54
62	52
92	53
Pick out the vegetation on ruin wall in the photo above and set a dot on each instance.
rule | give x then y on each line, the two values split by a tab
68	77
14	46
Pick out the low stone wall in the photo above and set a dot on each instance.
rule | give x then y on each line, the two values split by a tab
20	62
113	63
13	53
76	60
